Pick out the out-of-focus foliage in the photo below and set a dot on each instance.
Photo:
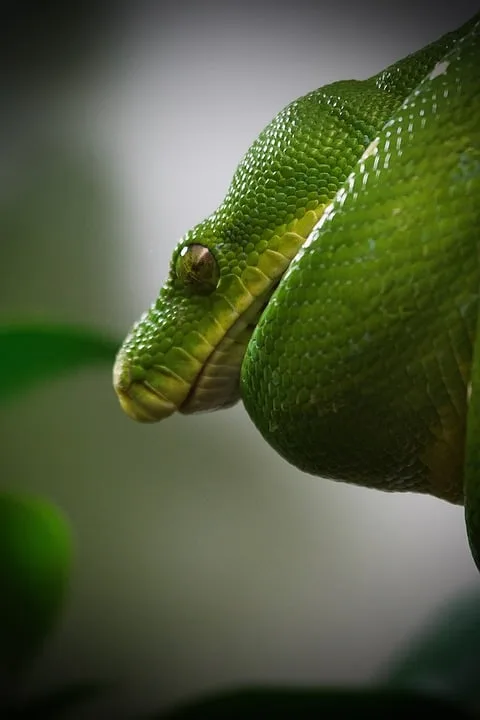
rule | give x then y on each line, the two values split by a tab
445	657
307	704
35	559
36	545
438	674
32	353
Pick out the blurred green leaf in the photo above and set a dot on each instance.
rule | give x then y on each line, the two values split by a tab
32	353
445	658
35	559
58	703
299	704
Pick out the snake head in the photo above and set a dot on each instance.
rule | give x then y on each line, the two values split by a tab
185	353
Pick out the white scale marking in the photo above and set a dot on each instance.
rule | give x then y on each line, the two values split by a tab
372	149
439	69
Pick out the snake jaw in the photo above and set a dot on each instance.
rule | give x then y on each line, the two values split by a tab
210	381
180	382
138	399
217	386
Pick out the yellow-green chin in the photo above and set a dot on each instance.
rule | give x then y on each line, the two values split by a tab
137	399
143	404
213	386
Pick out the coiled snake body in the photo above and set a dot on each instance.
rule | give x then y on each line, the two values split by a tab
336	289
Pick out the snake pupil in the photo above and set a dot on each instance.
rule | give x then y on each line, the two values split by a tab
196	266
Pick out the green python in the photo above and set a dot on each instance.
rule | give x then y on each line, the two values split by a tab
336	288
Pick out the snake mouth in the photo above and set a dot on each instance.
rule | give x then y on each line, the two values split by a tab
138	399
213	384
144	404
217	385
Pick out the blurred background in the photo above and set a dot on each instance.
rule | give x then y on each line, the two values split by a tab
203	560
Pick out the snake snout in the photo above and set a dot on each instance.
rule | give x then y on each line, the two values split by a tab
139	400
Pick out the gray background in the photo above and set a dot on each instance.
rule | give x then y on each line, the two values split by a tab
202	559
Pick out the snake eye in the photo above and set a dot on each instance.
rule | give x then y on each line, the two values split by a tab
196	266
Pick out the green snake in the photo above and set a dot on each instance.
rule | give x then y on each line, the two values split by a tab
336	288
